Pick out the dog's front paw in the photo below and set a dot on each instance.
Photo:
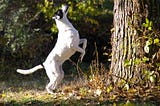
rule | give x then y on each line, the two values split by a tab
81	57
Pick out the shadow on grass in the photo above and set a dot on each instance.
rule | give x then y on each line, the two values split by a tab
22	90
28	82
75	102
29	103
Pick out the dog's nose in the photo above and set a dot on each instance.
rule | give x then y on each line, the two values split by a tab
54	18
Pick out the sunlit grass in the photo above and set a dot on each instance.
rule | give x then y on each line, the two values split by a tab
67	94
74	93
75	90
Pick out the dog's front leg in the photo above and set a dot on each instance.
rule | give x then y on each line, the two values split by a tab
82	51
84	41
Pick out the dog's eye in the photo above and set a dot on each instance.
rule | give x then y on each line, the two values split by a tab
59	13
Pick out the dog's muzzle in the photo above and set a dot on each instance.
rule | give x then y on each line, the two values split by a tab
56	17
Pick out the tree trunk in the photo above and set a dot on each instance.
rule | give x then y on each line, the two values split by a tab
127	44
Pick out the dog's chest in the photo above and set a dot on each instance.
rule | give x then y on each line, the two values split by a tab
65	42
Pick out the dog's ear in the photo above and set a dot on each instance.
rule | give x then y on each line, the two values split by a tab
61	12
65	8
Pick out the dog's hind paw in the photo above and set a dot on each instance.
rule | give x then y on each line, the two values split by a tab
50	92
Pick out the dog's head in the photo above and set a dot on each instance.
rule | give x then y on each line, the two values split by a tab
61	13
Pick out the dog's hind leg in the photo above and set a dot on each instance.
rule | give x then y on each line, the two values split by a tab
61	75
53	73
51	77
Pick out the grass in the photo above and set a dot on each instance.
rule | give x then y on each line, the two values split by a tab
24	93
77	92
19	90
74	93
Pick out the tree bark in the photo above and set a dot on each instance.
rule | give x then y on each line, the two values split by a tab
127	44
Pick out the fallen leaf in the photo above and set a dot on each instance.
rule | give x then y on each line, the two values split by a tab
98	92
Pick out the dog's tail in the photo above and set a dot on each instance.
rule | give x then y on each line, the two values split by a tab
29	71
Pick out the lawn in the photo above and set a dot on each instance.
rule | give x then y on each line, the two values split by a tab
72	92
76	89
18	93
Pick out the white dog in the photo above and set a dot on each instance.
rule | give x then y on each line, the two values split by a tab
67	44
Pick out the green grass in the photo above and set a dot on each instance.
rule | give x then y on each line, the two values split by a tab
20	90
69	93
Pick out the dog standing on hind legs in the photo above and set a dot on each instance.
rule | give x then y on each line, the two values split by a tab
67	44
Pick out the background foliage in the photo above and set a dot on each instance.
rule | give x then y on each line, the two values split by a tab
27	32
